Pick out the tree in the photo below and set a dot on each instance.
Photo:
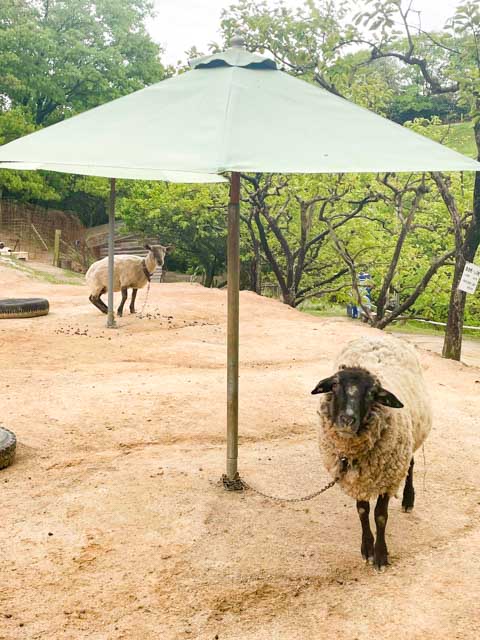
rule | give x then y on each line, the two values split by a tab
192	217
410	104
315	42
405	250
289	217
26	185
450	66
60	58
306	42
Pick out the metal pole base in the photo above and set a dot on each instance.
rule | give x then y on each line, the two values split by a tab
234	484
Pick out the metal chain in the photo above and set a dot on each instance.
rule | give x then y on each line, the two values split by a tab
310	496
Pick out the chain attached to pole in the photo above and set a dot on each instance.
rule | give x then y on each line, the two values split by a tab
237	484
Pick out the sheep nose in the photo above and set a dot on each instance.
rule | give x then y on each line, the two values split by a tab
347	422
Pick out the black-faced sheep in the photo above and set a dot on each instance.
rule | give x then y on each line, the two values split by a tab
375	414
130	272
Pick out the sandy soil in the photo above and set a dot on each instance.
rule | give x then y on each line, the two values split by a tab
113	525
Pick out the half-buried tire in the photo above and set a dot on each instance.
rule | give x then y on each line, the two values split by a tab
8	445
23	307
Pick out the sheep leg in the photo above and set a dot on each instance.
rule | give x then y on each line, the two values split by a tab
132	300
122	303
95	300
363	508
381	516
102	306
409	492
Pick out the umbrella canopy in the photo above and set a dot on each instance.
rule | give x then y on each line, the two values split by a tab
235	111
116	172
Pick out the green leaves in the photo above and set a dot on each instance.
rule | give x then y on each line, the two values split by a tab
60	58
77	55
192	217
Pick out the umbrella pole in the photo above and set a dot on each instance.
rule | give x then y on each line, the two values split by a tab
111	324
231	480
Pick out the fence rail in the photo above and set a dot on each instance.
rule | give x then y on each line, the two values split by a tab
31	228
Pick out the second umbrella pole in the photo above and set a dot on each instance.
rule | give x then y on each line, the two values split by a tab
233	285
111	240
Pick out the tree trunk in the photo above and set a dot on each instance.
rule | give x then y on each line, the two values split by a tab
289	297
210	273
256	269
452	346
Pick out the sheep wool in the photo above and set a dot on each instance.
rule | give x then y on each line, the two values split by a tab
379	457
128	272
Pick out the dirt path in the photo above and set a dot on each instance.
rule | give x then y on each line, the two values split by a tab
114	527
470	348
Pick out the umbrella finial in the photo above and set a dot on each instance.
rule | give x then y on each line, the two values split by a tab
238	41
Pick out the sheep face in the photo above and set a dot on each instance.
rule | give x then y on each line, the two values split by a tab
159	252
354	393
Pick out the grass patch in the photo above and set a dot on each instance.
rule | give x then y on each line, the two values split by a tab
67	276
326	310
400	326
458	136
422	328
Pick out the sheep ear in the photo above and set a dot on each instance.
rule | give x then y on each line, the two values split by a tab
147	246
388	399
324	386
169	248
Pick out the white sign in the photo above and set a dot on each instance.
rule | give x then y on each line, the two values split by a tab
470	278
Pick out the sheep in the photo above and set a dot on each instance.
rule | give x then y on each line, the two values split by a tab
129	272
368	434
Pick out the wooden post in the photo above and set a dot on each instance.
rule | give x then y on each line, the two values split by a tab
111	324
232	480
56	248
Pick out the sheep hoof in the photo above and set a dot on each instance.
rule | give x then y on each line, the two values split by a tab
119	314
132	311
406	509
368	558
380	563
380	556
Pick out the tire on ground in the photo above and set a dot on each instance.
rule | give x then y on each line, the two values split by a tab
8	445
23	307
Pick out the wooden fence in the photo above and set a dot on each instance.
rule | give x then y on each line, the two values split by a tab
26	227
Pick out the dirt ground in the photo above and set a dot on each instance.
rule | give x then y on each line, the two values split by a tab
113	525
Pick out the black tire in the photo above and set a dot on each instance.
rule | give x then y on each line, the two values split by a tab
23	307
8	445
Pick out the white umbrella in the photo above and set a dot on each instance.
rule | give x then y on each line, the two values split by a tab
233	112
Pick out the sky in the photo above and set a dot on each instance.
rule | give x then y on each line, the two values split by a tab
180	24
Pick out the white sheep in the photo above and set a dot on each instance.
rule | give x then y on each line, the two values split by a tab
368	434
130	272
